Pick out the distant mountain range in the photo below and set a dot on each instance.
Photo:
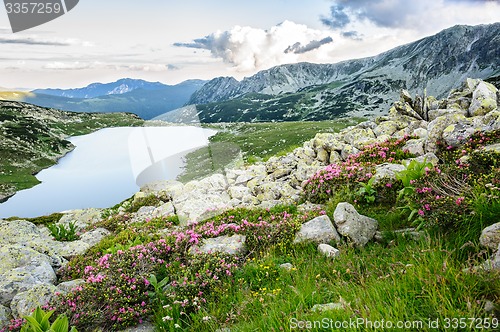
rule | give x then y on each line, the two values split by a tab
146	99
306	91
103	89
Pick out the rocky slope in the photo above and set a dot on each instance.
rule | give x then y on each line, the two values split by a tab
33	138
367	86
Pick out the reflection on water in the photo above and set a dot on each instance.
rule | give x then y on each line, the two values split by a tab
107	167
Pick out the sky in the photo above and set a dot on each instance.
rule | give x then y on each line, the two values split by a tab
172	41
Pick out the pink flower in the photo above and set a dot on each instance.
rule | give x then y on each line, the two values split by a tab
388	185
459	200
421	212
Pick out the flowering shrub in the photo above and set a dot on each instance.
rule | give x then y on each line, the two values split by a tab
358	168
115	291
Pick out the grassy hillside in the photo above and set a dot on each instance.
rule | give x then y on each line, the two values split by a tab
33	138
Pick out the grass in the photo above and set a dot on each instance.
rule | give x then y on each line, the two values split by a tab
252	142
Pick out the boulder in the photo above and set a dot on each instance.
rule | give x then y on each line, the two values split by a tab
415	146
5	316
24	302
21	268
69	286
81	218
319	230
232	245
490	236
436	128
238	192
328	251
484	99
386	128
387	172
357	228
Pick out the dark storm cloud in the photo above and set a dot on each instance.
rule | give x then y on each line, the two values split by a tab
297	48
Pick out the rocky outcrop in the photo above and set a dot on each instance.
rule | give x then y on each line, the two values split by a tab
28	260
490	237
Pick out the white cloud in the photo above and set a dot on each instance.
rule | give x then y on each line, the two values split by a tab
76	65
250	49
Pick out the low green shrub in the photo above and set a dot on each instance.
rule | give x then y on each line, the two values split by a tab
62	232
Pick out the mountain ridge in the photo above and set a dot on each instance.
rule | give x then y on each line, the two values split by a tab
433	65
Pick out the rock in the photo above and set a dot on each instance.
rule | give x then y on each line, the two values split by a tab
357	136
492	148
323	155
319	230
20	269
328	251
24	302
69	286
386	128
415	146
165	210
170	188
232	245
327	307
420	133
357	228
328	141
347	151
81	218
484	99
490	236
286	266
387	172
407	233
5	316
428	157
437	126
434	114
146	327
239	192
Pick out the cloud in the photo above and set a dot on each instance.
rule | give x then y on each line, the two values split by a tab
418	15
351	35
35	40
57	65
297	48
338	17
250	48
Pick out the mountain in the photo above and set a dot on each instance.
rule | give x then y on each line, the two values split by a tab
33	138
146	99
102	89
306	91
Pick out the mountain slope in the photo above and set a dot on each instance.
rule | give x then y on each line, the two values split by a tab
360	87
145	102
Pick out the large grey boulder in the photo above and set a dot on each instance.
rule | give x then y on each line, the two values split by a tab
145	327
490	236
484	99
357	228
21	268
319	230
24	302
232	245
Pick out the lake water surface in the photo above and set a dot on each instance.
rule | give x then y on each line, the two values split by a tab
107	167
